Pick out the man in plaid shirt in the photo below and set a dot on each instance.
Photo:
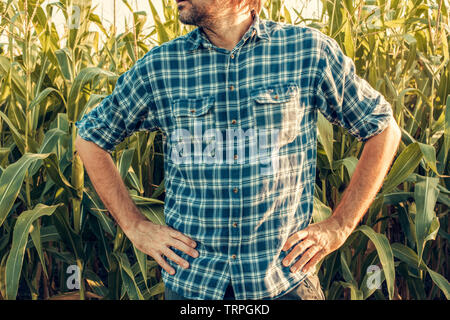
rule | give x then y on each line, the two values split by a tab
238	100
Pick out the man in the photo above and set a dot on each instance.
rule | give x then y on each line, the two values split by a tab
237	99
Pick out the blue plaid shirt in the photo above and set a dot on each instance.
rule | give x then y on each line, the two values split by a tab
240	135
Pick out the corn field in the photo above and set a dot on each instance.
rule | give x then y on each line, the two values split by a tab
57	240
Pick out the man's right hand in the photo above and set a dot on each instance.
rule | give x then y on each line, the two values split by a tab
156	240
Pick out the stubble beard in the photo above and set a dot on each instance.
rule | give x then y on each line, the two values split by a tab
193	16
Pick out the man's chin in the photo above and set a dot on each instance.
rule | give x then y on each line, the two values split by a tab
186	21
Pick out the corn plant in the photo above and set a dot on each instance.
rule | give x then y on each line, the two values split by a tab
52	222
401	49
48	83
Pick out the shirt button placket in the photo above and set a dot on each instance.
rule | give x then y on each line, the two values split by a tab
232	86
234	226
235	203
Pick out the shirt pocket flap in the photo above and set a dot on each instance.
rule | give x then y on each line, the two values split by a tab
275	93
192	107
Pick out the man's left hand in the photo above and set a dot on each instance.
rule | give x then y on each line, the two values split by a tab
316	241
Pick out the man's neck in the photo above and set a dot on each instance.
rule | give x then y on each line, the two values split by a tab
228	30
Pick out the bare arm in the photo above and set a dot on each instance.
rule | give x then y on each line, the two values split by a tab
148	237
375	161
320	239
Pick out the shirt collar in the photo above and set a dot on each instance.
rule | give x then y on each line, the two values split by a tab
258	28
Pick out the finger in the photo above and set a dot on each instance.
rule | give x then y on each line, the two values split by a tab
185	248
176	258
298	249
182	237
312	263
296	237
305	258
160	260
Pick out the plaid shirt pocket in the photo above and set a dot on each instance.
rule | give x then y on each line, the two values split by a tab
277	112
192	117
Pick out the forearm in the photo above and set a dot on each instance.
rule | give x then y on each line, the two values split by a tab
367	179
319	239
108	183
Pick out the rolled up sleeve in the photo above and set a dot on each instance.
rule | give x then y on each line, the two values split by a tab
346	99
129	108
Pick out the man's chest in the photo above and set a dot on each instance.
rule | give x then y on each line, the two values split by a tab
250	93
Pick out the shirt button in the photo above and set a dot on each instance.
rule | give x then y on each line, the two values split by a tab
232	56
276	97
235	190
231	88
233	121
233	256
192	110
235	224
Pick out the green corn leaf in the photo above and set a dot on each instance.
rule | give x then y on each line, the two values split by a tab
44	94
3	275
11	181
355	293
106	223
348	42
154	290
17	80
163	35
404	165
48	233
85	76
441	282
447	127
68	236
321	211
429	155
407	255
141	258
125	162
64	63
95	283
129	282
140	200
159	190
384	253
36	238
325	129
154	213
20	236
51	139
133	180
425	195
18	138
349	163
346	273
